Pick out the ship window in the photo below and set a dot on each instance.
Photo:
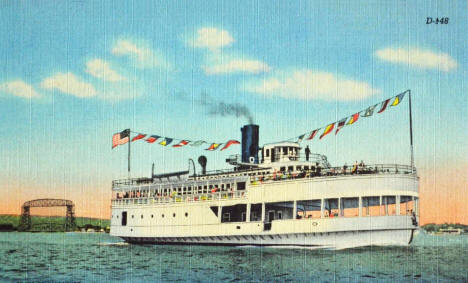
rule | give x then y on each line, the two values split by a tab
407	205
152	216
298	168
142	216
285	150
306	167
255	212
388	206
285	208
228	186
214	209
173	215
349	207
370	206
290	168
186	214
162	215
240	186
132	216
267	152
282	169
330	206
222	186
308	208
233	213
211	186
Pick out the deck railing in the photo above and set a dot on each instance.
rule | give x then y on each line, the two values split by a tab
333	172
181	198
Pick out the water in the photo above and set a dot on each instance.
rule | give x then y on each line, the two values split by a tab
100	257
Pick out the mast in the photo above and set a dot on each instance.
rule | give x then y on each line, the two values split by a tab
411	131
129	142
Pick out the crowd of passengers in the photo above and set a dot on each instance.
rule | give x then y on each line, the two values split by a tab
145	194
316	171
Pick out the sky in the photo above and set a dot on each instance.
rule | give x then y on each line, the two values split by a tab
73	73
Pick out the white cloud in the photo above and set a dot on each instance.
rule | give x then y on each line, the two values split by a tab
237	66
19	88
310	85
144	57
70	84
211	38
102	70
419	58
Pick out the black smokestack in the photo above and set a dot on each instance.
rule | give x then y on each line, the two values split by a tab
250	143
202	161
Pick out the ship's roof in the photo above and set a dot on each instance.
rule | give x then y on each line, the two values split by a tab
284	143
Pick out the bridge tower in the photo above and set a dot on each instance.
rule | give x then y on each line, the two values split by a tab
25	222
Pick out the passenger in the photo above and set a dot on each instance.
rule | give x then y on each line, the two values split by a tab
345	167
355	167
307	153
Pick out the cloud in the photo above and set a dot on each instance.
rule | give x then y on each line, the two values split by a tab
70	84
237	66
419	58
144	57
211	38
19	88
311	85
102	70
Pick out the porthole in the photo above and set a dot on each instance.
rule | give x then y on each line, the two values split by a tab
186	214
162	215
173	215
117	216
142	216
133	216
152	215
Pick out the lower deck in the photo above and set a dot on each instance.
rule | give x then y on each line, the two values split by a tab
338	237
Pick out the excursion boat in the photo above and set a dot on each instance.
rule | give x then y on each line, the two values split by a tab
273	195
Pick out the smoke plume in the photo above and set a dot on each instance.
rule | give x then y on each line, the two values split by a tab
218	108
223	109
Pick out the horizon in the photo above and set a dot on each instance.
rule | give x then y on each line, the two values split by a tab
75	73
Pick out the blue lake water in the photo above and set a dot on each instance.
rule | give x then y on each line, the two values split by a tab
96	257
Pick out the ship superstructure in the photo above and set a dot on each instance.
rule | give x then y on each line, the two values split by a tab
272	196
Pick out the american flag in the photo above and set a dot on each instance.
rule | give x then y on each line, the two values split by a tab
121	138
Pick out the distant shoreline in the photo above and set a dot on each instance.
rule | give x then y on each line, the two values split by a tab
40	223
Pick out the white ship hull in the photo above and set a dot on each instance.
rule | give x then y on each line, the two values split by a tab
275	212
337	240
340	233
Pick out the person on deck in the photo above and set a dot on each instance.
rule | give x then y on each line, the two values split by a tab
307	153
355	167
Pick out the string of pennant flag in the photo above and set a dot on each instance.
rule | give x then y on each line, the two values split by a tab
369	111
125	137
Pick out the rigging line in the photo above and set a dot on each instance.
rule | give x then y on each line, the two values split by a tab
406	91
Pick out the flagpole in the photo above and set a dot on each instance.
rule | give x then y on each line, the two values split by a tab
129	142
411	131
